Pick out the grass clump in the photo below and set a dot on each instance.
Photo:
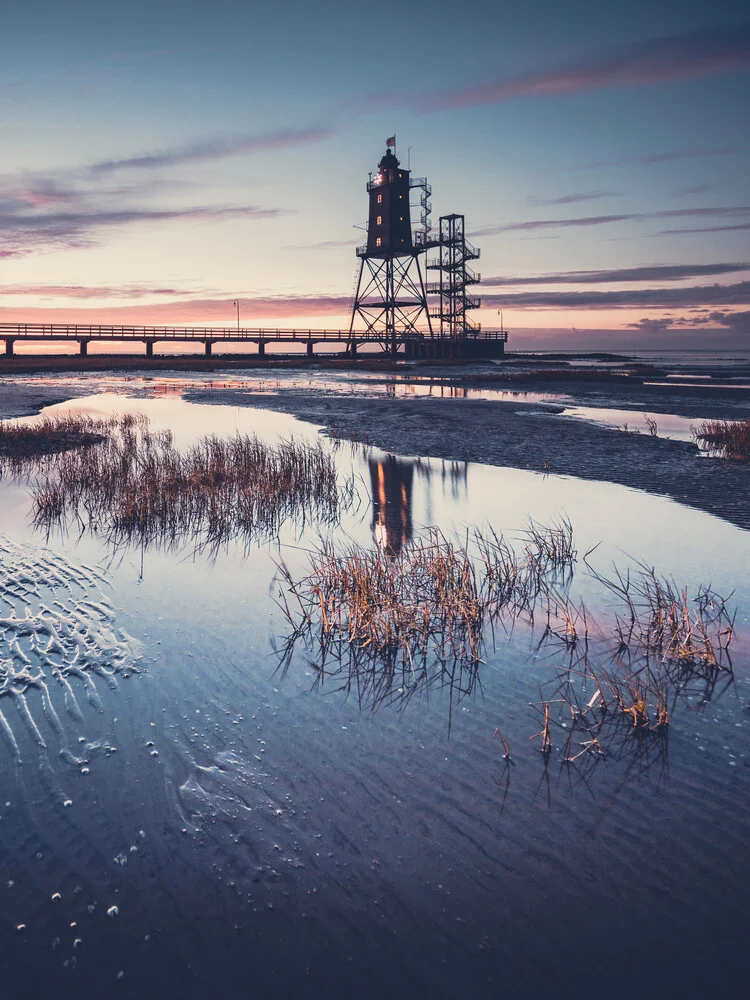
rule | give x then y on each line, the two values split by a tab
725	438
388	628
666	645
136	487
49	436
434	599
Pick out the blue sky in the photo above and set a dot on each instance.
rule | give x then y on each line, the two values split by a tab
160	160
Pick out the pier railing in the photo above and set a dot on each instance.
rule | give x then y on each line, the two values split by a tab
76	331
64	331
83	334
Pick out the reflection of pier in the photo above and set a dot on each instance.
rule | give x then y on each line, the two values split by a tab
391	480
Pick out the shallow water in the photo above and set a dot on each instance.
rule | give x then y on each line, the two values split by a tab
668	425
262	827
406	385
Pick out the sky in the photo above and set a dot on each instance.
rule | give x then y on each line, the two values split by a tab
160	160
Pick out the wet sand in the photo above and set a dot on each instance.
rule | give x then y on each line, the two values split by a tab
25	401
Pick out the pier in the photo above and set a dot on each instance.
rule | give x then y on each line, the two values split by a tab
485	343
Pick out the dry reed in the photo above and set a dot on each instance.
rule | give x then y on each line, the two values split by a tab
389	628
136	487
394	627
665	646
24	442
726	438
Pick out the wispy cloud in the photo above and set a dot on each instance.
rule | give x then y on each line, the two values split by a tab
86	292
512	227
647	272
694	189
721	295
738	322
707	229
21	230
652	325
214	149
704	52
721	211
666	156
75	207
323	245
570	199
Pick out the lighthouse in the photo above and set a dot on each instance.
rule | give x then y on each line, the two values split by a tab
390	304
389	224
390	300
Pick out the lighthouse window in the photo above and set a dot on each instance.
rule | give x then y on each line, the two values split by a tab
378	242
380	220
380	199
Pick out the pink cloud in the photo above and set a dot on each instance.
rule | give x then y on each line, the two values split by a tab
285	310
704	52
215	149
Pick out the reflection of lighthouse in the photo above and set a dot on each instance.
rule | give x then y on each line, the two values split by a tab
391	502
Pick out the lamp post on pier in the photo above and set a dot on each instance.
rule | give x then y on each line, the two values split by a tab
237	303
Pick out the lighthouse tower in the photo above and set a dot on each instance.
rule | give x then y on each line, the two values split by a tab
390	298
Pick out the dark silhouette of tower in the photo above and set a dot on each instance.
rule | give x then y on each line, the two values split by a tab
390	297
390	303
389	226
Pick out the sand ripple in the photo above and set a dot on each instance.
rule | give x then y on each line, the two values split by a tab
57	626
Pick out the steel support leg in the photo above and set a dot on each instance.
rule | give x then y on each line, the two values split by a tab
84	347
9	347
149	348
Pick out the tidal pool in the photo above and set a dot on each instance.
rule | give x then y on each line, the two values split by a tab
202	820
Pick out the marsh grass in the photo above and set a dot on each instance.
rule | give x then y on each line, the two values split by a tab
666	646
725	438
387	629
135	487
435	599
50	435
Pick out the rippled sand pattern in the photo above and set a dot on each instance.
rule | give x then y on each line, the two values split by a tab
56	626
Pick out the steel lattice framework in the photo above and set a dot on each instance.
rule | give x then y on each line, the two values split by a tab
390	298
454	250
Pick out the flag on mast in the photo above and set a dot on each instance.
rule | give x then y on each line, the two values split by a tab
391	141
